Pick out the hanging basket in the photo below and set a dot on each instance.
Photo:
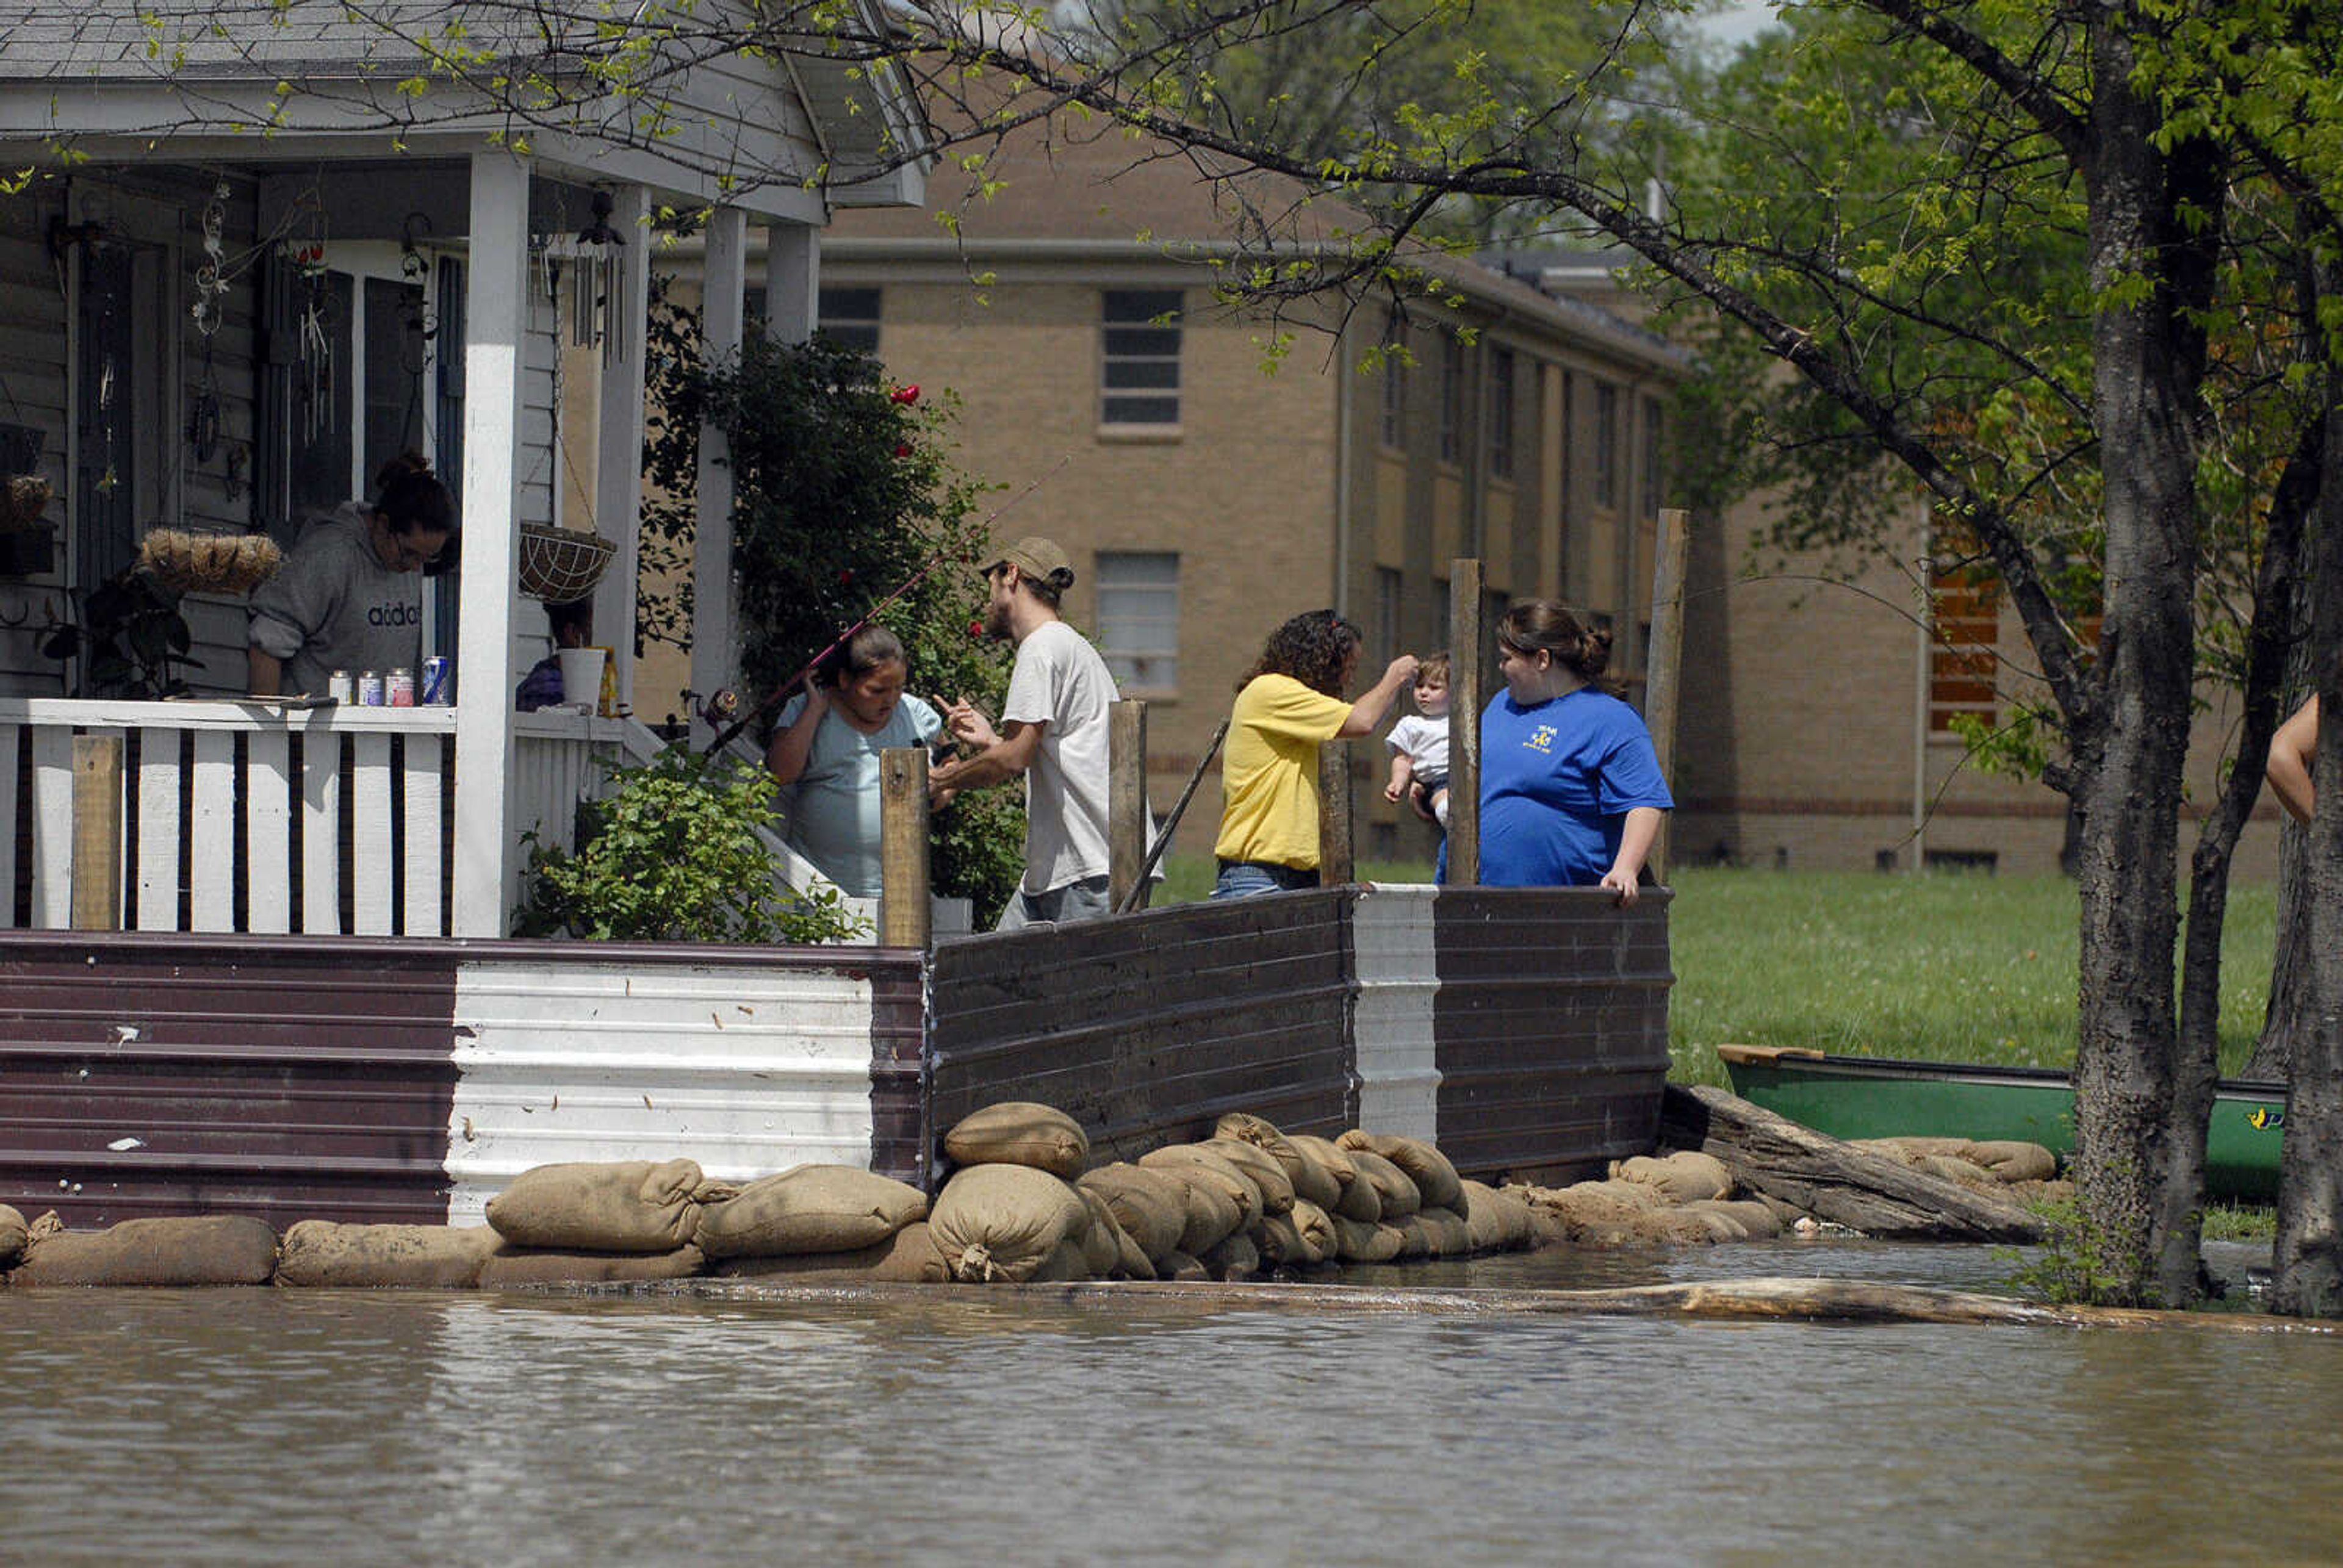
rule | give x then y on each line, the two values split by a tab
208	563
558	564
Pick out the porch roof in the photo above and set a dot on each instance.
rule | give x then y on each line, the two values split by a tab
784	129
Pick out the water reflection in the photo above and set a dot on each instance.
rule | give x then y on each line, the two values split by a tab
256	1426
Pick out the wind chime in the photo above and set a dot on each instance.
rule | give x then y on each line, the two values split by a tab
594	259
313	344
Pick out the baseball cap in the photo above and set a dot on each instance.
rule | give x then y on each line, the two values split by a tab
1038	559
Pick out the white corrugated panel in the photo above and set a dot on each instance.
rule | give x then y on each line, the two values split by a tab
1397	961
747	1069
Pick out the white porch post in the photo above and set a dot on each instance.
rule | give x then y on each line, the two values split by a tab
714	656
792	281
496	308
618	451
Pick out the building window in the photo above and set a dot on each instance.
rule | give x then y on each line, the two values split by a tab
1395	372
850	317
1388	625
1139	617
1501	413
1138	376
1606	447
1653	432
1451	399
1965	596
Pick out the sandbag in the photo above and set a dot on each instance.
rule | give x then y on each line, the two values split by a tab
1181	1268
1686	1176
1496	1220
196	1250
1906	1149
1755	1220
1064	1265
1101	1240
1365	1241
320	1254
909	1257
1446	1230
1436	1182
1020	1132
1263	1135
1151	1206
1189	1158
13	1234
513	1267
1235	1260
809	1209
1315	1228
1134	1263
1329	1158
1208	1213
1396	1192
1279	1242
1261	1168
1000	1222
621	1206
2007	1158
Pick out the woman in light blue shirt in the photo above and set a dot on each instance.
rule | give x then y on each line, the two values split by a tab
827	751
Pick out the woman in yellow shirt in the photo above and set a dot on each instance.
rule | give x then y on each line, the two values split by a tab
1287	704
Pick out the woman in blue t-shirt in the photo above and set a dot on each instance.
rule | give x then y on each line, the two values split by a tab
1571	792
827	747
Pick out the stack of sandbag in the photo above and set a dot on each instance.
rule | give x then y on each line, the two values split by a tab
196	1250
326	1254
1682	1198
1010	1213
2005	1168
630	1219
822	1224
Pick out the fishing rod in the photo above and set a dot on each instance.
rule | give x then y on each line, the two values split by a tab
774	698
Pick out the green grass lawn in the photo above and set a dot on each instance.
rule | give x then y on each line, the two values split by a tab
1952	966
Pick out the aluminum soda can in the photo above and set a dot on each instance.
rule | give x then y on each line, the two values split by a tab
339	687
438	675
370	689
399	688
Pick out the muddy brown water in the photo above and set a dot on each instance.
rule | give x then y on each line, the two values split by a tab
281	1427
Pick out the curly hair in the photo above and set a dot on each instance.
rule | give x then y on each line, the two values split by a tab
1313	647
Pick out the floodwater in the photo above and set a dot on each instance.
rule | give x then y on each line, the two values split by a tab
308	1427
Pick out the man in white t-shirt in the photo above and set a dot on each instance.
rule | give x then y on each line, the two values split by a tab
1053	731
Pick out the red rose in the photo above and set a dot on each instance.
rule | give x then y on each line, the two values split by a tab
907	395
902	448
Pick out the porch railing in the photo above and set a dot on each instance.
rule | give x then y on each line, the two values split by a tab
246	816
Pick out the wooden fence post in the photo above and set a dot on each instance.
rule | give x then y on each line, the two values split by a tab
1468	657
1664	661
97	832
1126	800
1334	846
904	914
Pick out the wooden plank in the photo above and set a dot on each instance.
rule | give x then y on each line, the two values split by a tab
1833	1180
211	834
371	871
1664	661
97	832
1334	827
423	820
162	836
8	737
1468	686
52	829
268	831
321	833
1126	799
904	913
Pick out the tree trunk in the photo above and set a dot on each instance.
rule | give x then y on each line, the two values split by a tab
2289	1003
2139	1146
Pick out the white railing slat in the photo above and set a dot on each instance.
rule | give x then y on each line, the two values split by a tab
52	829
370	869
424	857
211	834
321	834
268	831
8	735
159	831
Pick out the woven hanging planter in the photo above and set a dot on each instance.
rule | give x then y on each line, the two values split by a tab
560	564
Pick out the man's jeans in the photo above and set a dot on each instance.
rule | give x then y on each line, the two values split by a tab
1083	900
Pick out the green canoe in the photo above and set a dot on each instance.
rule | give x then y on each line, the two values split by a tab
1883	1096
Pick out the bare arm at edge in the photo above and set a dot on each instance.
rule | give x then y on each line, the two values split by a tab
2291	750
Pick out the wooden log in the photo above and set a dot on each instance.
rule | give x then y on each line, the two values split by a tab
905	911
1834	1181
1334	846
97	832
1126	803
1468	653
1664	659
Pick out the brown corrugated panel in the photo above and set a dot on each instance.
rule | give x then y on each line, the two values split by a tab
1147	1028
285	1076
898	1130
1552	1022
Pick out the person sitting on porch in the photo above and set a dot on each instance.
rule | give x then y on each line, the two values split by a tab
1288	704
348	597
828	748
573	625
